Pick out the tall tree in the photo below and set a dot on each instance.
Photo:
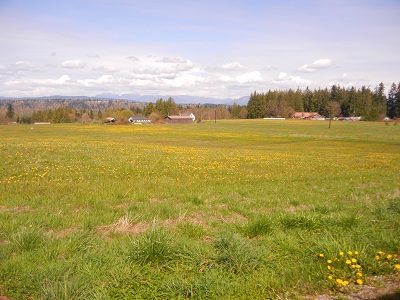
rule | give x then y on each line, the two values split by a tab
256	106
10	111
391	101
379	99
397	102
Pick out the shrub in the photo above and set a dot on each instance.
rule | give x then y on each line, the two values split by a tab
258	226
153	247
235	255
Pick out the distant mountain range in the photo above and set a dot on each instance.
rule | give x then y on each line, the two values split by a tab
179	99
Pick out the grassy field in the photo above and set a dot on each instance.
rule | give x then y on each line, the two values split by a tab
248	209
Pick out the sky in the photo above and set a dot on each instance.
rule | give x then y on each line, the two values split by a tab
209	48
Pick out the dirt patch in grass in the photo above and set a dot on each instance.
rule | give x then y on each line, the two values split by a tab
124	225
64	233
378	288
293	209
17	209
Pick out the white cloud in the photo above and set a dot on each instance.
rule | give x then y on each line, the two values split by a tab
62	80
185	80
102	80
166	66
73	64
284	79
23	65
230	66
233	66
321	63
105	69
250	77
133	58
176	60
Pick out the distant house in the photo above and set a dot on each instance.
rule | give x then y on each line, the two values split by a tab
178	119
110	120
307	116
139	119
189	115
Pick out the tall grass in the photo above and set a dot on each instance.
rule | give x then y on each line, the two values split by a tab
236	209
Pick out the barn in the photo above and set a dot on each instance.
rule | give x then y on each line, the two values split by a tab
178	119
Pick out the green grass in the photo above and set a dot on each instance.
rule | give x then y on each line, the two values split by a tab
232	210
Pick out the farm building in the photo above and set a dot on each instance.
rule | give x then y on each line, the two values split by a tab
139	119
307	115
178	119
189	115
110	120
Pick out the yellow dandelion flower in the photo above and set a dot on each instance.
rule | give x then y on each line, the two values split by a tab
359	274
329	261
348	261
330	277
353	266
329	267
353	260
359	281
381	252
389	256
350	253
321	255
345	282
341	253
356	252
377	257
358	267
339	281
397	266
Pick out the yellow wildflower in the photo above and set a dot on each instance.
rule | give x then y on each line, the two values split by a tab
353	260
377	257
348	261
345	282
381	252
389	256
341	253
329	261
329	267
359	281
339	281
356	252
359	274
321	255
330	277
358	267
350	253
397	266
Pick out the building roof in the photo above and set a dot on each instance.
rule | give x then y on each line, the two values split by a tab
179	117
139	118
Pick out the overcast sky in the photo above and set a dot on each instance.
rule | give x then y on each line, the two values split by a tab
212	48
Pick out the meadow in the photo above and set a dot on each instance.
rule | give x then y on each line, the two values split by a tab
237	209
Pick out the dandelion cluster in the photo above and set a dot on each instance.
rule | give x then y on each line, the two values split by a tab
388	260
346	267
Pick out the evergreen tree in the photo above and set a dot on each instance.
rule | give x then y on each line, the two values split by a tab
397	103
379	99
391	102
255	106
10	111
149	109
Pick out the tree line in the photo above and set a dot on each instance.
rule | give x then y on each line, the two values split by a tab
79	111
337	101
